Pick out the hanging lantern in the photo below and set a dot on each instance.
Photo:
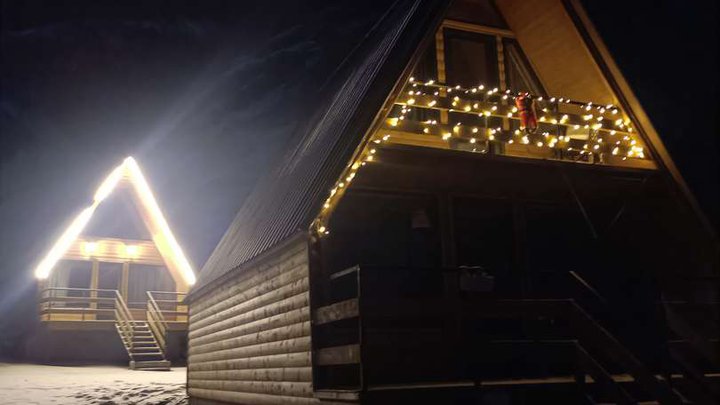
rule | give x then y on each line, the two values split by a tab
526	109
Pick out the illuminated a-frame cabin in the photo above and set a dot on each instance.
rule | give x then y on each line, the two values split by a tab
104	297
480	212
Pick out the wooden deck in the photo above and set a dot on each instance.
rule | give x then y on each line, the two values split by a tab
143	331
438	330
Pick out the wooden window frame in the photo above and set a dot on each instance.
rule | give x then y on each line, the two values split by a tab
498	33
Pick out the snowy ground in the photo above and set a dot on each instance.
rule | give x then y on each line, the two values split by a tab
100	385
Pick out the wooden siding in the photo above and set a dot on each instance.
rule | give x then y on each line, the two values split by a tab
556	50
249	339
113	250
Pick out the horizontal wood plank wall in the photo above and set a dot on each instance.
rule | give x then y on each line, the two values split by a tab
113	250
249	339
556	50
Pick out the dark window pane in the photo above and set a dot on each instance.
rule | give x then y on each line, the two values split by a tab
426	68
144	278
79	274
471	59
72	274
109	275
483	232
519	74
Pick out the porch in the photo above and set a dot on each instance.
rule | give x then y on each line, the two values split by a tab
386	332
96	308
148	330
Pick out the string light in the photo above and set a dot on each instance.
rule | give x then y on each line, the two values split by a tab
492	103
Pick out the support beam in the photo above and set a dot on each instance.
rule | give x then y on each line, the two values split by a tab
124	280
94	277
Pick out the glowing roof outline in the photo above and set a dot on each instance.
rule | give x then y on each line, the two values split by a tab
162	236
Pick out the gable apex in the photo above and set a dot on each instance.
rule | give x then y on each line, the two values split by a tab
128	171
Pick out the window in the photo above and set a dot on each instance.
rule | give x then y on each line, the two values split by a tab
143	278
471	59
483	233
519	74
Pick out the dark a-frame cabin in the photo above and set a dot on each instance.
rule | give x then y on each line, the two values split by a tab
480	212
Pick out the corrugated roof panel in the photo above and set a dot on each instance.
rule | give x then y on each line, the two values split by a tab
289	199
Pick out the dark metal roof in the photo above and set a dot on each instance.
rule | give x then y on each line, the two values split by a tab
289	199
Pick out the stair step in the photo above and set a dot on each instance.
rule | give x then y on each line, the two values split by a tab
145	349
146	354
159	365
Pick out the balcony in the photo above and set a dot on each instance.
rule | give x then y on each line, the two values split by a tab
487	121
87	308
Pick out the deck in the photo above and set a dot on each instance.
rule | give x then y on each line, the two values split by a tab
407	329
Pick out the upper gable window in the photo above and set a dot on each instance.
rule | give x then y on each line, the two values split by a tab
471	58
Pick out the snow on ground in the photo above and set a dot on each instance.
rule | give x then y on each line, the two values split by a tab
25	384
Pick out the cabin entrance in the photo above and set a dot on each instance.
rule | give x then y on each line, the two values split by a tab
497	229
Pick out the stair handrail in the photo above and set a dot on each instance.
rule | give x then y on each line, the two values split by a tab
678	325
124	320
156	321
604	340
602	377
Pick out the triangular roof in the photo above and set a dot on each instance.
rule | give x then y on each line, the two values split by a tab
152	217
289	200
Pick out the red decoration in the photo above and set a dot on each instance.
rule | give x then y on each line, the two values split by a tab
526	108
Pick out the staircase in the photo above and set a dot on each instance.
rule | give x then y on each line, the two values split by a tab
139	340
692	368
143	349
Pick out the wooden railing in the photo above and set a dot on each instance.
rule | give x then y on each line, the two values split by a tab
489	123
164	307
77	304
104	305
383	301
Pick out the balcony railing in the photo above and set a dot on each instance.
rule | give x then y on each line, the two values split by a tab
487	121
78	304
58	304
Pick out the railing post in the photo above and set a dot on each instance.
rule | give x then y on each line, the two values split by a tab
579	372
50	302
94	280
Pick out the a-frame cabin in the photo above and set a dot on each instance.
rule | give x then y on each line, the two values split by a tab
480	212
112	285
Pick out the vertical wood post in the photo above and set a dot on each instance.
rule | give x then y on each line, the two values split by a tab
519	268
124	280
440	62
447	242
94	276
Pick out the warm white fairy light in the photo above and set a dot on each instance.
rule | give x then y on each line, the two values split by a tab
485	109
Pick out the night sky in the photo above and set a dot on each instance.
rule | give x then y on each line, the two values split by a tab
206	94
